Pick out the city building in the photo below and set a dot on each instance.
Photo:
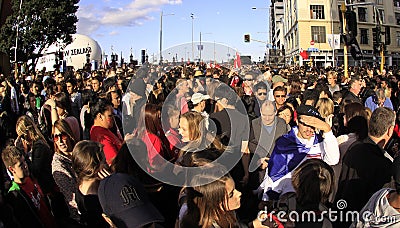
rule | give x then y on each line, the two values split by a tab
308	25
277	47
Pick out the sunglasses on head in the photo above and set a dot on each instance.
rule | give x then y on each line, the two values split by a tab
59	136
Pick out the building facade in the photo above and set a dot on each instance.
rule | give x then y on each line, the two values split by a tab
308	25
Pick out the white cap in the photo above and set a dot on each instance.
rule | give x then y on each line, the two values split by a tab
198	97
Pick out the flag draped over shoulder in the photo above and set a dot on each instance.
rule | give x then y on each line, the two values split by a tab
287	154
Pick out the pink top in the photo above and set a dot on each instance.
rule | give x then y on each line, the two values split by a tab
154	150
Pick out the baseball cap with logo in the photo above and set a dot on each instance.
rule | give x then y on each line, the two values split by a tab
198	97
124	200
308	110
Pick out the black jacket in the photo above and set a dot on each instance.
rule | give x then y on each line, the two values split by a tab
24	210
365	170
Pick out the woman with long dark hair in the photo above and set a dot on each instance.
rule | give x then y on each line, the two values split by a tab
151	132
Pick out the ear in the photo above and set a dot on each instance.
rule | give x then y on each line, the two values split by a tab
11	169
108	220
390	131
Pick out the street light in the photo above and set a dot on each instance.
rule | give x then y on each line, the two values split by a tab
161	27
192	16
16	43
267	9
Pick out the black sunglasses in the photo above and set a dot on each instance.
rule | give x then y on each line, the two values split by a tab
302	123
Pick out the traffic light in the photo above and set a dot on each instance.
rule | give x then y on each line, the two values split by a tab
247	38
143	56
387	35
351	20
376	38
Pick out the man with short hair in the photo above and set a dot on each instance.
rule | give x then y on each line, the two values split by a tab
279	96
261	94
75	97
97	85
232	128
264	131
248	83
378	100
366	165
199	102
355	86
332	77
25	196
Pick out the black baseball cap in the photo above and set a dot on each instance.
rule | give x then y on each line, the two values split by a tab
125	201
308	110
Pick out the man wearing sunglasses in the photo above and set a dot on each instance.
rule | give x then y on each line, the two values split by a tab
261	94
311	138
280	94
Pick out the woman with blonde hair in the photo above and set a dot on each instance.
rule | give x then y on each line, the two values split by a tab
38	152
326	107
193	131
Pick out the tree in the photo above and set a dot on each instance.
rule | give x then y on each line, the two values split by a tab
40	23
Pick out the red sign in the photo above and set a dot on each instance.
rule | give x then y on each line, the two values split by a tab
312	42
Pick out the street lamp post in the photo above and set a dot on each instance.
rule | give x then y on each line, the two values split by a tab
16	43
161	28
343	9
192	16
268	32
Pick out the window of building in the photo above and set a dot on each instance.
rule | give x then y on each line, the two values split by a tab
379	2
318	34
398	39
397	15
362	14
317	12
396	3
364	36
382	15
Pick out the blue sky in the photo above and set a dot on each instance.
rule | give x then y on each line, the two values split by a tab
126	24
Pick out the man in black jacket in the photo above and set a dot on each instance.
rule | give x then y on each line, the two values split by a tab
366	166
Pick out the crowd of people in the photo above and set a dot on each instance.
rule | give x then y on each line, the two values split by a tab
114	147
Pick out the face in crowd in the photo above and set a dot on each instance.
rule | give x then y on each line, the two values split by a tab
268	113
356	87
261	94
280	97
106	119
305	131
286	114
